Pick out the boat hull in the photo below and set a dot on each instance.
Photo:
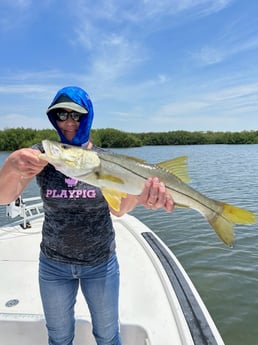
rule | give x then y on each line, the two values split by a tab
158	301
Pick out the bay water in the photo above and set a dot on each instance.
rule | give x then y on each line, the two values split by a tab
226	278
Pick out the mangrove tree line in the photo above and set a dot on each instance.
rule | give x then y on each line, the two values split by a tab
14	138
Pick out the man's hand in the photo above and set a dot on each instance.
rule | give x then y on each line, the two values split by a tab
154	195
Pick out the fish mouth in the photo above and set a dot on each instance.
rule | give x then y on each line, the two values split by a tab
51	149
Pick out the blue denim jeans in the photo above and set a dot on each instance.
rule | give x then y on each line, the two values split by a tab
59	283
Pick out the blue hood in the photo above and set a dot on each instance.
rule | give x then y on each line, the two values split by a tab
79	96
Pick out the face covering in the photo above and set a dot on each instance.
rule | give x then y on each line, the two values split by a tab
74	98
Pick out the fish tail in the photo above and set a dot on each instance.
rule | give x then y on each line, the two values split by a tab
223	222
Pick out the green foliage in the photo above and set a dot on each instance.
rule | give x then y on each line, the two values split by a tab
14	138
109	137
181	137
40	135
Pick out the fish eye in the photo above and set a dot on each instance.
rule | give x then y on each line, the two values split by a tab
64	146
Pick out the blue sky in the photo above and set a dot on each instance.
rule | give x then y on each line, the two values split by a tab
148	65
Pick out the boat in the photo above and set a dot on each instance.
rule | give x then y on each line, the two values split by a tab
159	304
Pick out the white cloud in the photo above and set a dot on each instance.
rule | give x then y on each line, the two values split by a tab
152	8
208	56
102	17
119	62
236	37
181	108
240	91
14	120
13	14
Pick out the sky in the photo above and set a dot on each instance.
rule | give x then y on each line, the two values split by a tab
148	65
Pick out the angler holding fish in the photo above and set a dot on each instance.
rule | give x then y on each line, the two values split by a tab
77	234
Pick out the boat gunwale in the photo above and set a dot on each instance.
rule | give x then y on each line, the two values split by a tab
201	330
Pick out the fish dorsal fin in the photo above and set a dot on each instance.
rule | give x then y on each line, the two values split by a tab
177	167
113	197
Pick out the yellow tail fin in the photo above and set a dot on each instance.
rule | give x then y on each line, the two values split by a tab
223	223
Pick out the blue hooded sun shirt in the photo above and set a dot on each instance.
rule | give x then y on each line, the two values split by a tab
79	96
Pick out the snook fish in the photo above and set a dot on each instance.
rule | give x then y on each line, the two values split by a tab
118	175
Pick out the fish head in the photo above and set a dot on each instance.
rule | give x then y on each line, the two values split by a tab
71	160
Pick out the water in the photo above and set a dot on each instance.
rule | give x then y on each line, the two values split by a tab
226	278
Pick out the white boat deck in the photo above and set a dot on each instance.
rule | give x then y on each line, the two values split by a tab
150	312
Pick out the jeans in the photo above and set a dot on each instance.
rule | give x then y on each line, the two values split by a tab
59	283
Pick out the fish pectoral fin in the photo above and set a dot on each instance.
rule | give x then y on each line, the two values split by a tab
110	178
113	197
177	167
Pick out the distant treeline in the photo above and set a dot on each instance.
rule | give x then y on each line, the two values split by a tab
14	138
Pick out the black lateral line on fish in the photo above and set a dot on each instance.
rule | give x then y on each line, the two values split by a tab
171	189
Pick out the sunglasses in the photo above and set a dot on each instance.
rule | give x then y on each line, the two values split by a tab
63	115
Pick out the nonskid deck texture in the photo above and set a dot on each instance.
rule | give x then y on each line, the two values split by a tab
150	312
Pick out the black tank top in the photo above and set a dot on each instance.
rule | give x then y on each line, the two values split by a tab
77	228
